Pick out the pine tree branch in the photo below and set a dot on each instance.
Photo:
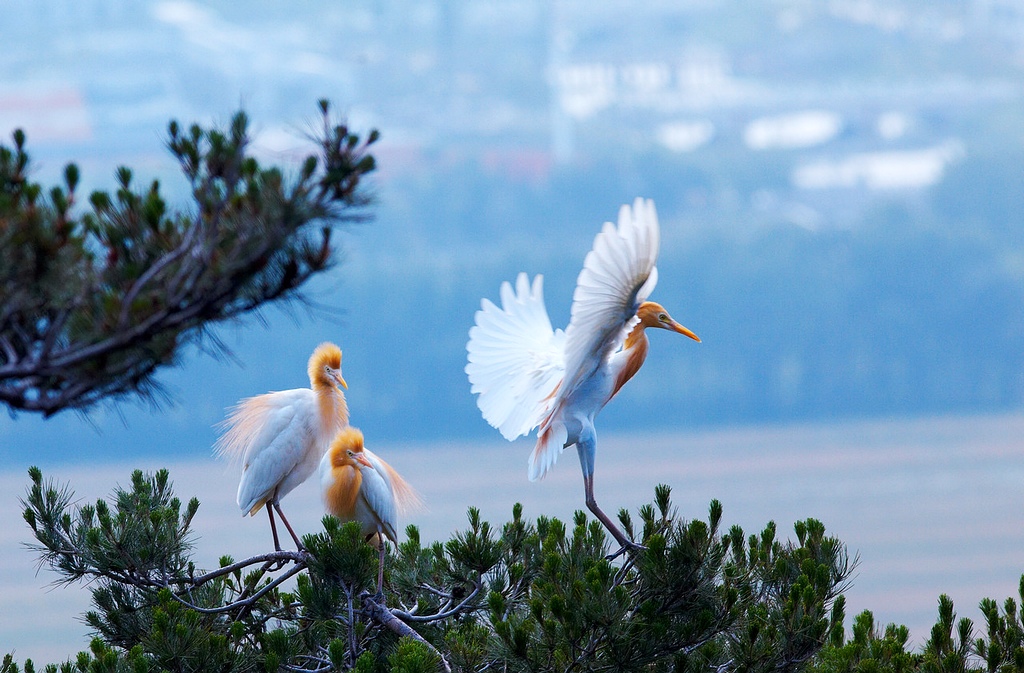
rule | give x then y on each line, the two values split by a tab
693	600
275	557
444	613
387	618
242	604
93	305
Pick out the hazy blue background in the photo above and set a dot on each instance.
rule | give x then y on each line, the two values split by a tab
839	183
840	187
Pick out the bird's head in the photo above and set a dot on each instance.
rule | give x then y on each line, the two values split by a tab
652	314
347	448
325	366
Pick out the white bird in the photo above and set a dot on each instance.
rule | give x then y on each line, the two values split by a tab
281	436
529	376
357	485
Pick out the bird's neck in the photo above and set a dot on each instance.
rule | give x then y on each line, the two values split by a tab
333	408
635	336
340	496
634	352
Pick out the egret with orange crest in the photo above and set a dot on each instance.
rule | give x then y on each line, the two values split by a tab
281	436
529	376
357	485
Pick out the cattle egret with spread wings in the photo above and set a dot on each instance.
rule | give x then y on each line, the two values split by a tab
530	376
357	485
281	436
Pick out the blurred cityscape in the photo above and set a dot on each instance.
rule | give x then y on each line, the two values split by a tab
870	94
839	181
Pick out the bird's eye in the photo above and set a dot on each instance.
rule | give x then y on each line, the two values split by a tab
663	317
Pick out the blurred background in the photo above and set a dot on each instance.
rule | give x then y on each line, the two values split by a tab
840	189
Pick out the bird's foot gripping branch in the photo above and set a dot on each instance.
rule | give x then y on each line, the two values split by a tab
538	595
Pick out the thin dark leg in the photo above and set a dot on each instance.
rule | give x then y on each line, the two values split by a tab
380	564
287	525
273	527
586	446
625	544
588	488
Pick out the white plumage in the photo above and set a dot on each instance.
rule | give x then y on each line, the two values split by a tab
528	375
515	358
281	436
285	451
358	485
618	275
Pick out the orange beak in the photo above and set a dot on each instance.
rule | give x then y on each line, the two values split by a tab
676	327
363	460
340	380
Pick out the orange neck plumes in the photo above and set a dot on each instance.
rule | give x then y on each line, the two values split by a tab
333	407
635	348
346	478
635	336
340	497
324	373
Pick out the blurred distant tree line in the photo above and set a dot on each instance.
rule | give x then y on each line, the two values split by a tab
98	293
877	303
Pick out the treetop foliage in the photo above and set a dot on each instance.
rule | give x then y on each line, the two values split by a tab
525	596
533	596
95	298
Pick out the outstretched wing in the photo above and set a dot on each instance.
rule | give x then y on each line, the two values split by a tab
515	358
618	274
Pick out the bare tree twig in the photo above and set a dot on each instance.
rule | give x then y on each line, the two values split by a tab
385	617
244	603
440	615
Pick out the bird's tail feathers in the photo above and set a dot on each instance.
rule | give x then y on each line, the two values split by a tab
252	511
550	442
407	499
244	422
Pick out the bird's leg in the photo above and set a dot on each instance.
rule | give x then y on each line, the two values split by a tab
287	525
585	448
273	526
380	564
625	544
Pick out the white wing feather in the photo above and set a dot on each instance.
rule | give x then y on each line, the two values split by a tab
377	498
515	359
618	274
523	370
405	497
278	454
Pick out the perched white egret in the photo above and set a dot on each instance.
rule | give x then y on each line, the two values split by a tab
281	436
357	485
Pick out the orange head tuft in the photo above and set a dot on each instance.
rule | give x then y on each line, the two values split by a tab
325	366
348	440
652	314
